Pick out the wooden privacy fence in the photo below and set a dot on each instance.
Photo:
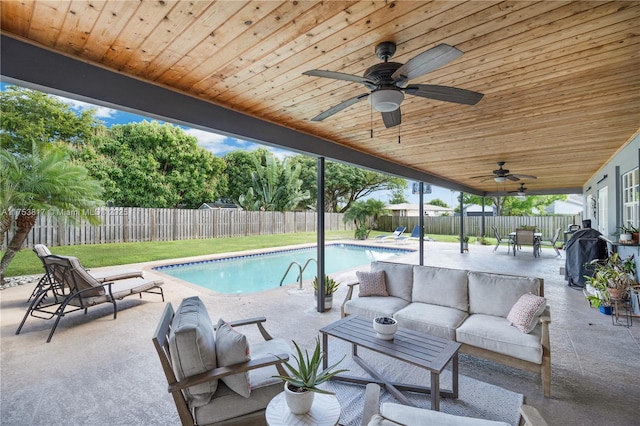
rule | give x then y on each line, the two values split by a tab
450	225
131	224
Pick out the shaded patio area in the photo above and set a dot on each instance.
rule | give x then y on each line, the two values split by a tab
99	371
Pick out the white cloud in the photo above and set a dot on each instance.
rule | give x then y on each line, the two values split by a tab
100	112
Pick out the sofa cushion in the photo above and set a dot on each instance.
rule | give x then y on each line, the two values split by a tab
398	277
374	306
371	284
232	348
440	286
524	314
192	347
406	415
497	335
495	294
436	320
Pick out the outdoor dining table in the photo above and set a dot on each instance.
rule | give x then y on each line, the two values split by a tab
536	246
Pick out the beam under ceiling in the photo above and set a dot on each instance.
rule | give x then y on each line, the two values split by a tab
31	66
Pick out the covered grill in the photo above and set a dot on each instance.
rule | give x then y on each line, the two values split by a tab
584	246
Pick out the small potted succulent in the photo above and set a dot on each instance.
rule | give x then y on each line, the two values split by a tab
302	382
330	287
385	327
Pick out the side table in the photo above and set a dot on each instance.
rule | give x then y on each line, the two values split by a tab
324	411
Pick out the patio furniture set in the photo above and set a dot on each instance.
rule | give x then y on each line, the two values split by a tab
213	380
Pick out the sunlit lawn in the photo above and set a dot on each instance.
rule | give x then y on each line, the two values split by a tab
97	255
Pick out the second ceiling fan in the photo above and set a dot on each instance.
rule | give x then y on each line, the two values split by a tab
388	82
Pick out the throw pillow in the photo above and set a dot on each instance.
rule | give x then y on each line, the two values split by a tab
372	284
231	348
524	314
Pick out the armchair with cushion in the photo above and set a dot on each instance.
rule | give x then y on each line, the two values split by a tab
214	375
392	414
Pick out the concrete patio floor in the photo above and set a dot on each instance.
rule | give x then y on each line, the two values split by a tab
100	371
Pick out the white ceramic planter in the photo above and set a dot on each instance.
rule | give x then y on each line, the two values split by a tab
385	327
298	402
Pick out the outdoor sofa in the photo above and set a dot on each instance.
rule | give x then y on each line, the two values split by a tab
503	318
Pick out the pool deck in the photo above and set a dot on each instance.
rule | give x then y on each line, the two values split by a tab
97	371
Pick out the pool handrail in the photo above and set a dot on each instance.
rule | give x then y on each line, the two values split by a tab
300	268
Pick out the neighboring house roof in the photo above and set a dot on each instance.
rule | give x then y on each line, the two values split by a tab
219	205
415	208
571	206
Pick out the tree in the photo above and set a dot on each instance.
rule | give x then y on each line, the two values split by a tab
362	211
345	184
150	164
438	202
397	197
239	167
29	115
43	181
514	206
274	186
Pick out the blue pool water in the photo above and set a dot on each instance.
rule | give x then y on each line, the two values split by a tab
252	273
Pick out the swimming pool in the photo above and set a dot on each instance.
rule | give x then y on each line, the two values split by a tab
257	272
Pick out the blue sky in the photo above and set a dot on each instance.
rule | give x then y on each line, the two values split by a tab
220	145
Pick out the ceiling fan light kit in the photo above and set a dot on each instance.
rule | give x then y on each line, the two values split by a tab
386	100
500	179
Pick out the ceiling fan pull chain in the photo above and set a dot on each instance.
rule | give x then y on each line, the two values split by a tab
399	133
371	119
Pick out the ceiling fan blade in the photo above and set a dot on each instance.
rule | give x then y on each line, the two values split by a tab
339	76
483	177
519	176
427	61
392	118
340	107
512	177
444	93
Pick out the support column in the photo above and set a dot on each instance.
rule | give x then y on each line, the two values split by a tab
320	218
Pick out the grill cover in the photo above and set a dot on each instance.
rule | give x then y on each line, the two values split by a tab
584	246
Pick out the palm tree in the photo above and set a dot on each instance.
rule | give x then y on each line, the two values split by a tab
42	181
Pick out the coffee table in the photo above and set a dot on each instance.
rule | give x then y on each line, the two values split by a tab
325	411
420	349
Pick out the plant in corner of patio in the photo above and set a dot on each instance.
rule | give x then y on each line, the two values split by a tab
330	287
302	382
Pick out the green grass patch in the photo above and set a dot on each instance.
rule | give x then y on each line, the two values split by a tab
97	255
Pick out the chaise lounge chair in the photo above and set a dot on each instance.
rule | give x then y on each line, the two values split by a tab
393	237
70	288
43	251
415	236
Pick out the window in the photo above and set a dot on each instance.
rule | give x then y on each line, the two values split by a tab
630	197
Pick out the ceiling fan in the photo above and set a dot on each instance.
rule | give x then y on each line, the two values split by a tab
387	82
522	191
502	175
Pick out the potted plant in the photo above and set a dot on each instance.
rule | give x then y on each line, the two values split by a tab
627	233
330	287
303	380
465	242
611	280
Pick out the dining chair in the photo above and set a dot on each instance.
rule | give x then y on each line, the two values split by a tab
552	242
499	238
526	237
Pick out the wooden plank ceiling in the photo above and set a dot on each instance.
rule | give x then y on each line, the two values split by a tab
561	80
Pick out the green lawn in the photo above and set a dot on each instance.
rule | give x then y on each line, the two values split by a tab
97	255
